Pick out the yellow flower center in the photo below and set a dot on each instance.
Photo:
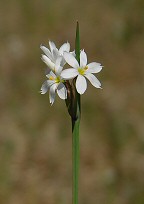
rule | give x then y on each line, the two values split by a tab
51	78
82	70
57	79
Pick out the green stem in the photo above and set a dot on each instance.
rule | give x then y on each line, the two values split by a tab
75	151
75	159
75	130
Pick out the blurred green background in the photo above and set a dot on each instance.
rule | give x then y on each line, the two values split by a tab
35	138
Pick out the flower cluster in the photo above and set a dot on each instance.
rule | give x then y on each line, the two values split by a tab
55	59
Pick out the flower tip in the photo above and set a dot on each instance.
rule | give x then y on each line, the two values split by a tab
51	42
68	44
51	103
101	67
42	57
41	92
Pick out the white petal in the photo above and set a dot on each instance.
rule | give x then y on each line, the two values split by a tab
52	93
50	82
94	67
83	59
46	51
69	73
58	68
71	60
55	54
73	53
94	81
64	47
48	62
61	91
47	71
81	84
52	46
51	74
44	88
63	62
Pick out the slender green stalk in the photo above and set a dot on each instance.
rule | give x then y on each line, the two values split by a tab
75	130
75	163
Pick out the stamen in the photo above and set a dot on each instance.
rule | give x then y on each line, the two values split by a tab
81	70
51	78
86	67
57	80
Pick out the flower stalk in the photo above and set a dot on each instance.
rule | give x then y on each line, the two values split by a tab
75	130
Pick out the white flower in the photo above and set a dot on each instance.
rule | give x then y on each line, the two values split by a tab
55	83
53	54
82	71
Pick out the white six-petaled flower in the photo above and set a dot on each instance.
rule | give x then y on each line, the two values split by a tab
81	71
55	83
55	59
52	54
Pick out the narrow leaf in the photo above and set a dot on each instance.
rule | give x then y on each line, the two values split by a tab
77	43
